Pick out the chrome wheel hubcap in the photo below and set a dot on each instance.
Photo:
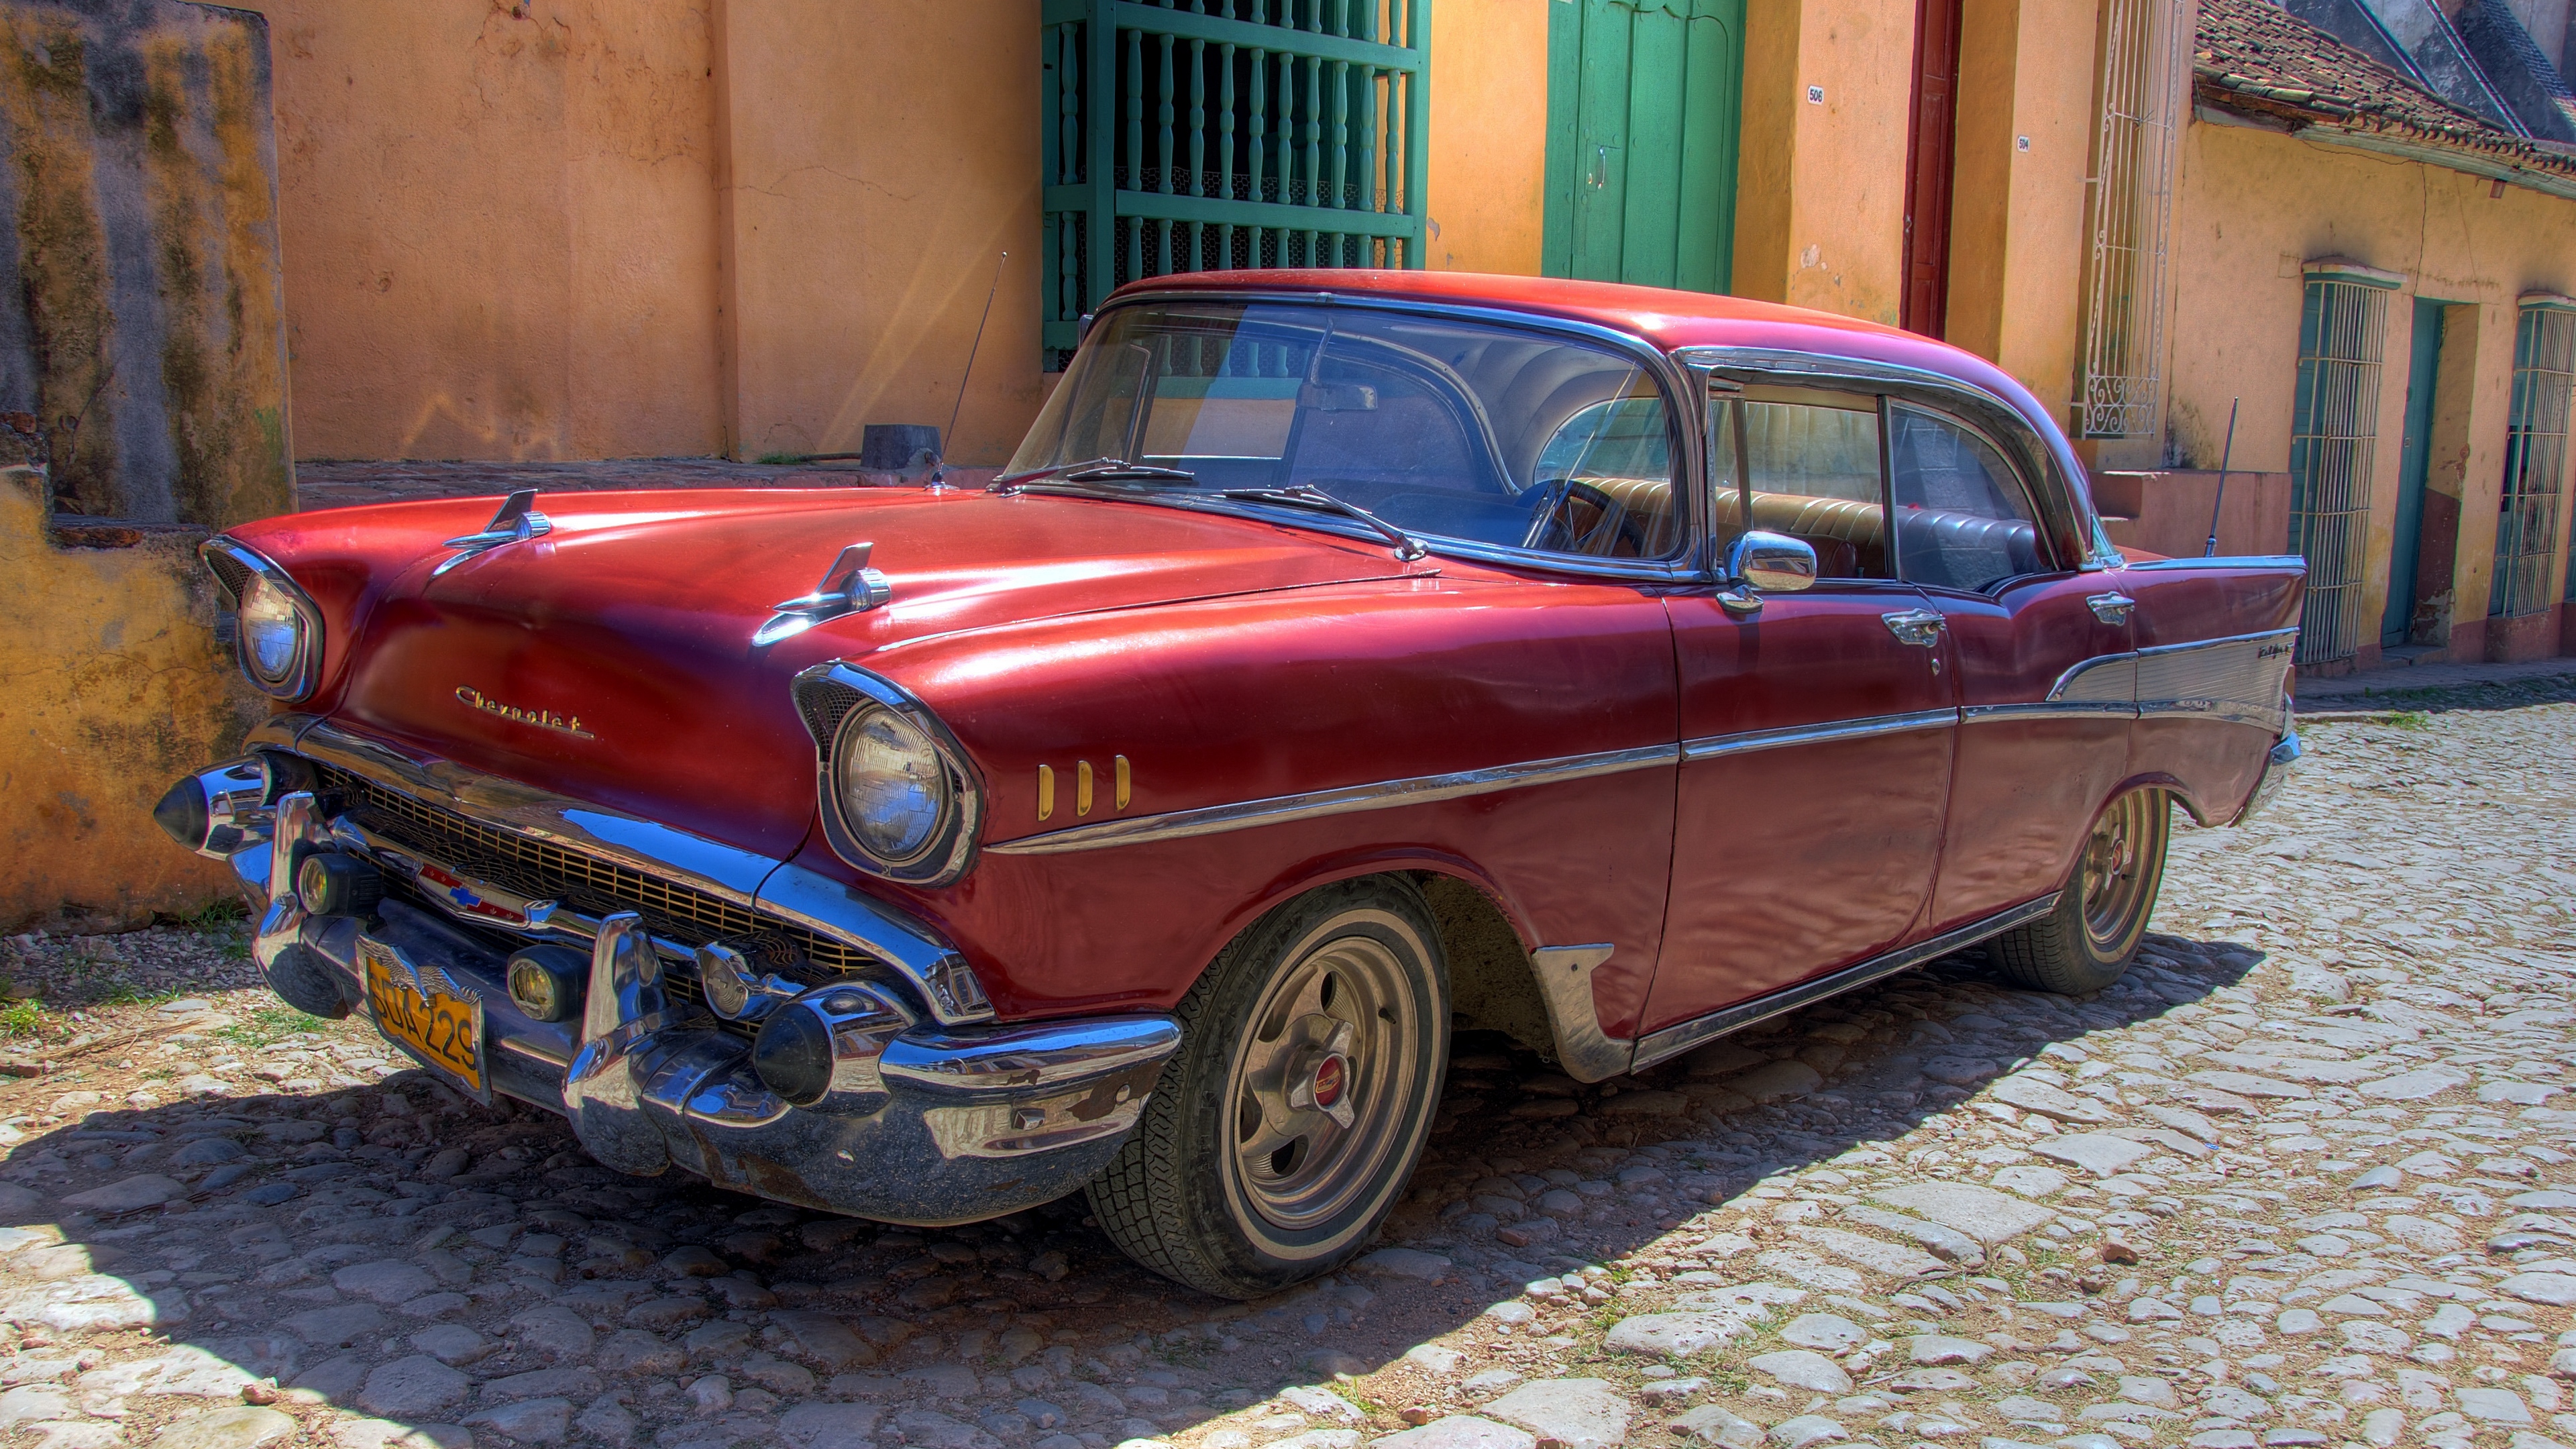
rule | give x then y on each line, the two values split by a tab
2114	881
1320	1081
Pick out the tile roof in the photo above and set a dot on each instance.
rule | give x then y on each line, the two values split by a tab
2256	60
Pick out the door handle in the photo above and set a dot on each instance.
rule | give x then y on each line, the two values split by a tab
1918	627
2110	608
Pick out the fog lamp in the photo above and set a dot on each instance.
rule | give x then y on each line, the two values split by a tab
546	981
333	883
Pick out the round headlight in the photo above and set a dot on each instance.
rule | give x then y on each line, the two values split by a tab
895	791
272	634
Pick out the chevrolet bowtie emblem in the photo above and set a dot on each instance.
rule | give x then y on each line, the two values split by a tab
543	719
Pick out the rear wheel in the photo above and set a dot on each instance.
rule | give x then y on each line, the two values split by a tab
2087	942
1286	1126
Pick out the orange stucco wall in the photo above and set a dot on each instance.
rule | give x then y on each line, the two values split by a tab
499	228
1820	185
1488	134
2253	207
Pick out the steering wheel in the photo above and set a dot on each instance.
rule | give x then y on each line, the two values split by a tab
1551	525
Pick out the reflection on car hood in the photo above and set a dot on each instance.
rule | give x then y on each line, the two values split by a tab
612	658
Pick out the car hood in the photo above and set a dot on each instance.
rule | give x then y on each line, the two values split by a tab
611	659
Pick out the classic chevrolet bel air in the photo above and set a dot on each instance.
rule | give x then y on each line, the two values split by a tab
1345	658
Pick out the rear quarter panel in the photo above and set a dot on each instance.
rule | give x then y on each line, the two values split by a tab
2213	661
1235	700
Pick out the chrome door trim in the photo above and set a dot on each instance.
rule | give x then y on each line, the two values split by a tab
1673	1040
744	878
2224	561
1710	747
1349	799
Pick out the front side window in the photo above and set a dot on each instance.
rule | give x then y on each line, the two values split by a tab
1809	469
1962	519
1442	427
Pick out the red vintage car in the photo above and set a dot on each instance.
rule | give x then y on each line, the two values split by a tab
1344	657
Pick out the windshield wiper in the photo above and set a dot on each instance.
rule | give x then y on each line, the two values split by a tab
1407	547
1096	470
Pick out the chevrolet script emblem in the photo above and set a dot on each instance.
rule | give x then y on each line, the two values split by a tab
473	698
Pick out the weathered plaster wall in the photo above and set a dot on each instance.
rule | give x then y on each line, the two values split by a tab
1488	135
869	205
2253	206
111	686
500	227
1820	189
138	217
2017	217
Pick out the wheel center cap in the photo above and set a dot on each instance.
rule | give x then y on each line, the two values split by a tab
1331	1075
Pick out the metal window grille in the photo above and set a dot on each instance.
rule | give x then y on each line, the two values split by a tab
2334	436
2139	86
2535	460
1199	135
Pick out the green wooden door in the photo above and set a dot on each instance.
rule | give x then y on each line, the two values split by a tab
1643	104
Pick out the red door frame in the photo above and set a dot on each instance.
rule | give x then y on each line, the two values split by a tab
1931	149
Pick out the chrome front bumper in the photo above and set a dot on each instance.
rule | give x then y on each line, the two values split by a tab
925	1122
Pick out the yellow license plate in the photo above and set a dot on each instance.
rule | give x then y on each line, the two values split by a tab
443	1030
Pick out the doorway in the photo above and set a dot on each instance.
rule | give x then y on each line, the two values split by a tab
1931	152
2414	463
1643	105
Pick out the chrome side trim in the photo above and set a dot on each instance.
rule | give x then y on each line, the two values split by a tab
747	879
1315	804
1710	747
2051	709
1673	1040
1565	983
2104	679
2224	561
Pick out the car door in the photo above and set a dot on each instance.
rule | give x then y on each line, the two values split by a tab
2043	728
1817	730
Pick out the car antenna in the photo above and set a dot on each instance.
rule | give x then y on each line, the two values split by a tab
939	474
2226	456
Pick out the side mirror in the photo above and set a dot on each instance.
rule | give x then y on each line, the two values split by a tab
1773	563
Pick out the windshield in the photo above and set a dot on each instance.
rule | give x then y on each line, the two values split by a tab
1438	426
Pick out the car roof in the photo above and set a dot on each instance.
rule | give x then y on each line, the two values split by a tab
1665	318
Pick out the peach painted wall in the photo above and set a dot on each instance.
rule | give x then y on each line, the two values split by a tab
2254	205
1488	134
1820	188
499	228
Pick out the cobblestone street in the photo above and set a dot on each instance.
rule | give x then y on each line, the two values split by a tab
2306	1177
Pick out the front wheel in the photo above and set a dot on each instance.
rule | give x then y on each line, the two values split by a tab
2087	942
1286	1126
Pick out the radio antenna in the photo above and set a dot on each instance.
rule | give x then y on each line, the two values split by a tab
939	475
2226	456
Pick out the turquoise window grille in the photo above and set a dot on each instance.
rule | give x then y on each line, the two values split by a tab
1202	135
2334	439
2535	458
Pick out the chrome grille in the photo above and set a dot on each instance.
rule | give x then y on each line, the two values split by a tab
541	870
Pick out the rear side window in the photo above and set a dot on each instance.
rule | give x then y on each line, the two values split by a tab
1963	520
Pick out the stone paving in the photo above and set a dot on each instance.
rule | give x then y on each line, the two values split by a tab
2306	1177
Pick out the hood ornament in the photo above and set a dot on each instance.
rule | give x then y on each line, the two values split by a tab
517	521
849	586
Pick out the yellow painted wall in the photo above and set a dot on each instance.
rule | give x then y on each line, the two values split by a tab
2017	216
1820	190
500	229
116	688
1488	135
2253	206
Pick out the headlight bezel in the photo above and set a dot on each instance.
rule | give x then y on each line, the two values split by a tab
838	697
239	571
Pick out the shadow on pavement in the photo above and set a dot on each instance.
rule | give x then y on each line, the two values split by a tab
401	1251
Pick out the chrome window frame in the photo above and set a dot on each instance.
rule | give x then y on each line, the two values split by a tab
951	853
1671	380
2064	507
306	676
